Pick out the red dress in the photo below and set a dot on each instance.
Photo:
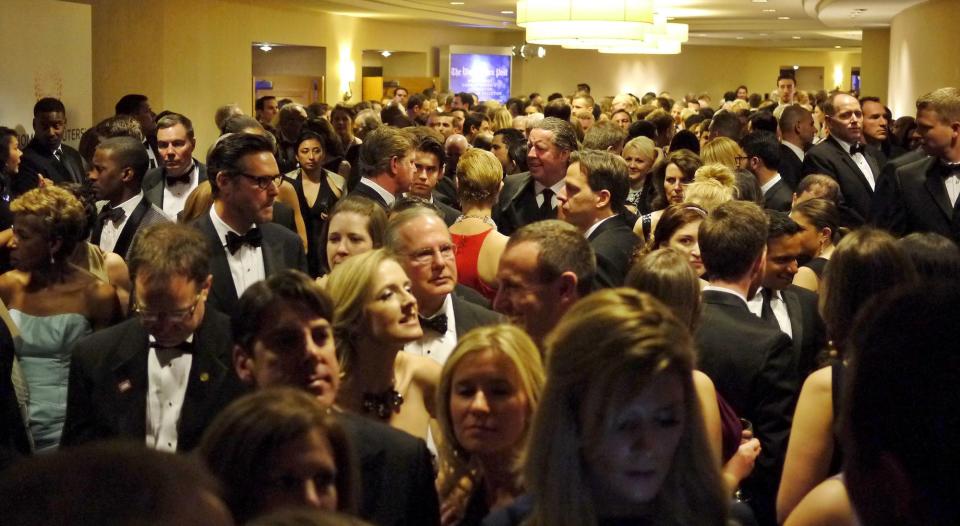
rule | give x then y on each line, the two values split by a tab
468	253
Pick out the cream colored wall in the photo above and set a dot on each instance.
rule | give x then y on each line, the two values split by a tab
697	69
924	51
875	68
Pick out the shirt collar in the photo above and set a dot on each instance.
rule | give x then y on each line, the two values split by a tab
845	144
795	149
446	308
727	291
131	204
222	227
594	226
556	188
773	180
387	196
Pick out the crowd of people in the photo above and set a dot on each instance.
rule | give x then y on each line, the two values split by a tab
434	310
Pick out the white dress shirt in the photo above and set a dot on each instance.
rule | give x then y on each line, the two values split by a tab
861	162
773	180
111	231
779	307
388	197
175	197
168	371
794	148
557	188
952	183
437	347
246	266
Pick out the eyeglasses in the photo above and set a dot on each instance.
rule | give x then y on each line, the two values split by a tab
175	316
425	256
263	182
741	158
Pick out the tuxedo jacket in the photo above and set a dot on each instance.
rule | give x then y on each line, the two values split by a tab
915	199
613	242
517	205
371	194
447	212
809	334
396	474
144	215
791	167
752	366
155	181
281	248
467	315
779	196
107	393
37	159
831	159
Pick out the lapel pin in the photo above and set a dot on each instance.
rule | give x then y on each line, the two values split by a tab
204	377
124	386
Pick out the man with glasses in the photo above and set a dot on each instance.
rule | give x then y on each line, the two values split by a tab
245	246
162	375
843	156
421	241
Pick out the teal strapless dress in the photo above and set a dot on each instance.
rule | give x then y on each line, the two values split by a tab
44	351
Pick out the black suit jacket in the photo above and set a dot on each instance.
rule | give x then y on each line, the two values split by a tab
752	366
154	182
144	215
14	440
396	474
449	213
831	159
467	315
791	167
37	159
613	242
779	196
282	249
809	334
371	194
915	199
517	205
107	393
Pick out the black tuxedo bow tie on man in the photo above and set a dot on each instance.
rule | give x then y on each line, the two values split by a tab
437	323
857	147
253	238
114	215
175	180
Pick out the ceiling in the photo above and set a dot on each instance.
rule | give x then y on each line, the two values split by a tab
773	23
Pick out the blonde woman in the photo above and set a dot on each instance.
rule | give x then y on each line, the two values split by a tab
725	151
488	394
376	315
500	119
619	436
642	156
51	301
713	185
479	245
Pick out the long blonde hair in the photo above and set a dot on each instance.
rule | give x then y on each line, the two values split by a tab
604	351
514	344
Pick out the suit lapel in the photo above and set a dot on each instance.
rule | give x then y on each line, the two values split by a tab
207	373
458	315
272	256
131	383
130	228
223	288
854	166
938	191
796	320
154	194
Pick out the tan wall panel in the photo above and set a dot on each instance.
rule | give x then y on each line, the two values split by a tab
924	52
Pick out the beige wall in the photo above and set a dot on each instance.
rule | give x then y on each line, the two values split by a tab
697	69
924	51
875	68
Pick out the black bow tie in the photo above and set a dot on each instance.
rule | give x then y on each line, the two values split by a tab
253	237
183	179
184	347
114	215
857	148
949	169
437	323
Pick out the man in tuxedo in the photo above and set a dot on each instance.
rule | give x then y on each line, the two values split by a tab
790	309
922	196
594	201
245	246
842	156
46	155
797	131
118	166
876	131
169	185
159	377
546	267
387	165
786	89
266	111
282	334
429	162
138	107
763	160
750	362
422	243
532	196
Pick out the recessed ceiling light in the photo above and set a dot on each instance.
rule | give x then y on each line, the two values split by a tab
783	18
506	12
759	1
795	37
836	47
768	10
739	38
795	67
456	3
265	47
385	53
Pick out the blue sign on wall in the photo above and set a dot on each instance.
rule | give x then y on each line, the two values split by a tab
486	75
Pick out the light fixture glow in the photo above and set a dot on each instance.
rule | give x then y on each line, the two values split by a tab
783	18
385	53
265	47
